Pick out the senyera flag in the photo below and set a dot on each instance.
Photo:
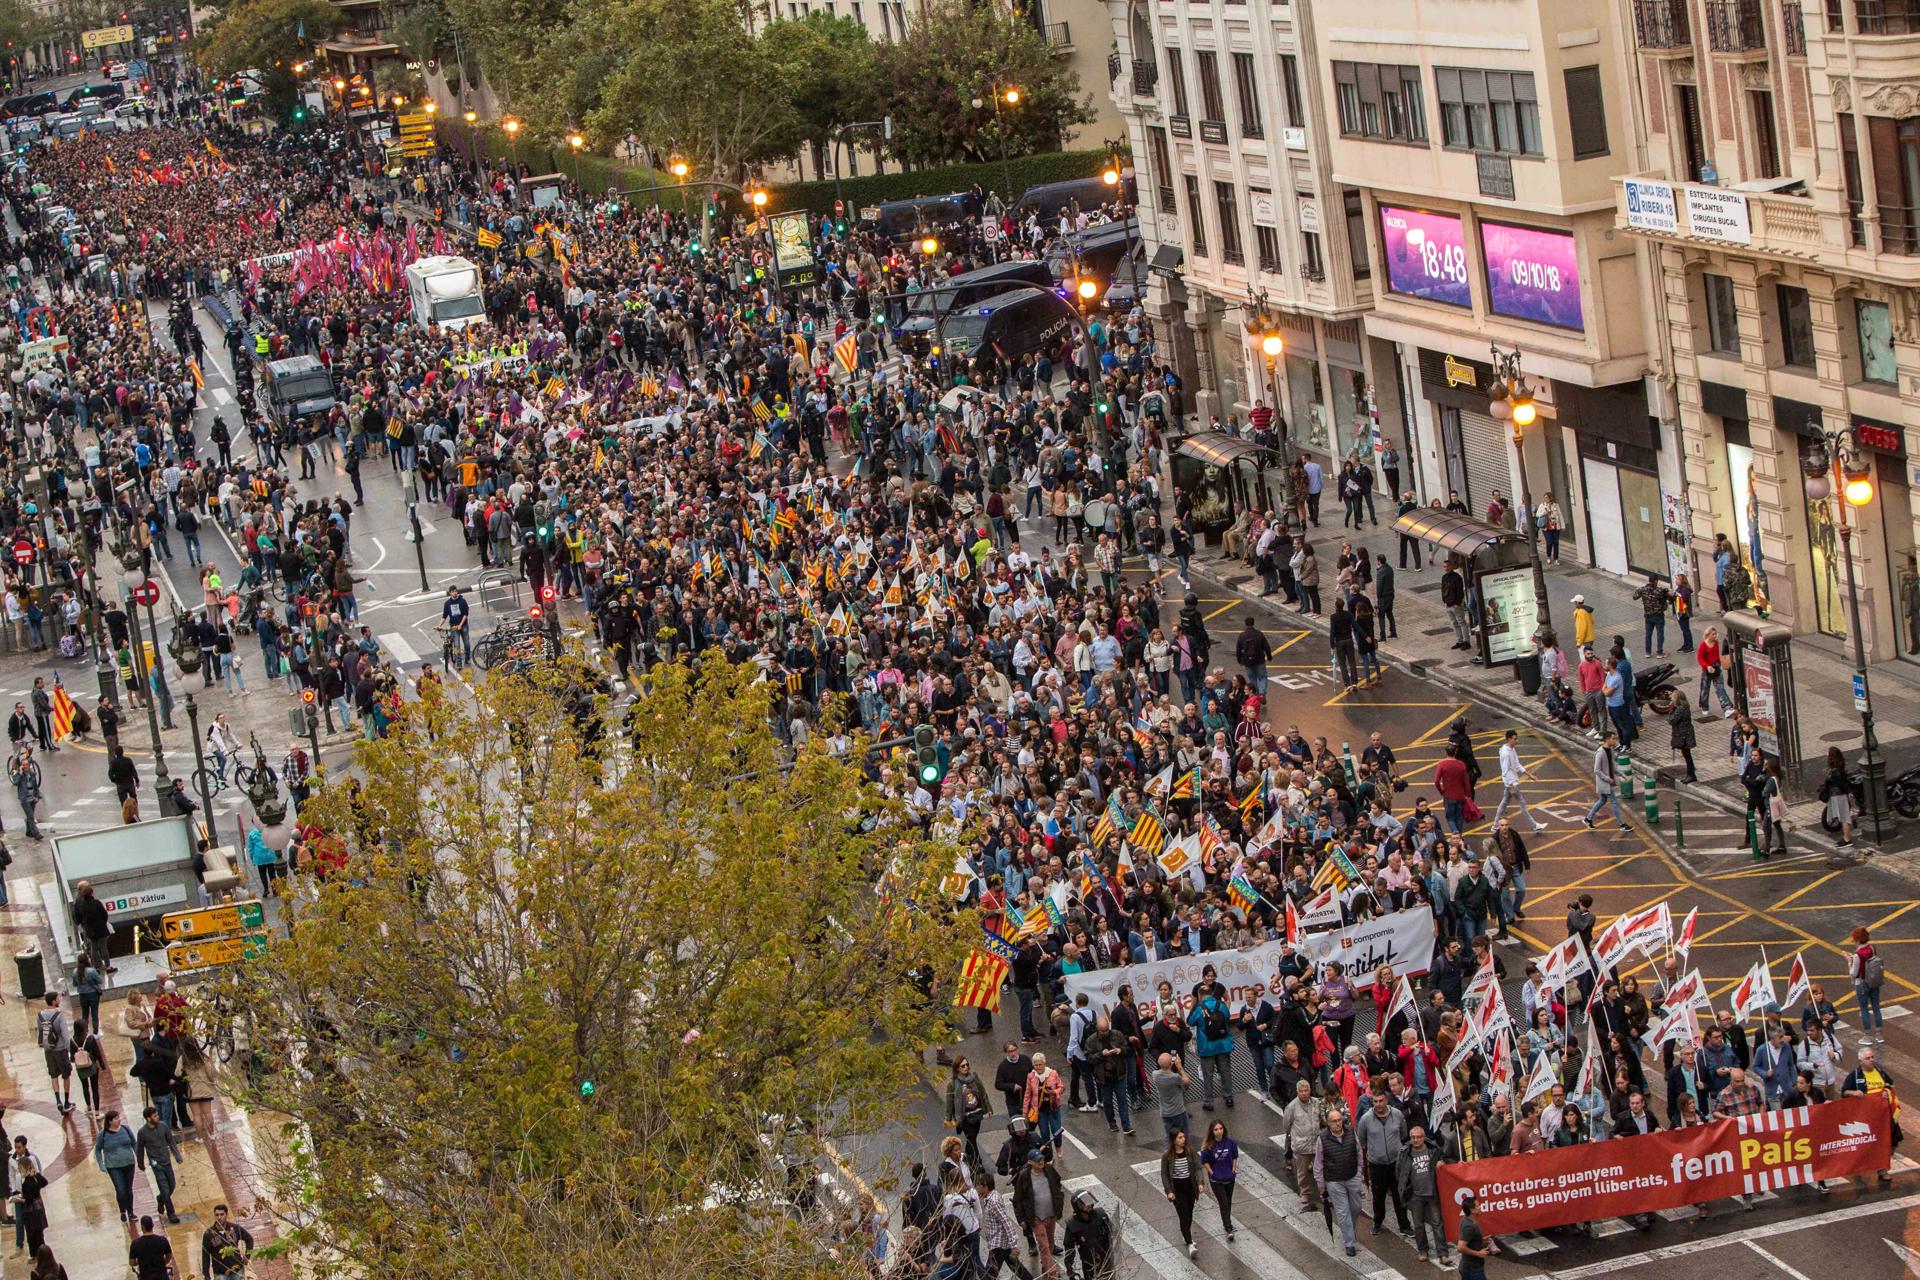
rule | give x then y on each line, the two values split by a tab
1669	1168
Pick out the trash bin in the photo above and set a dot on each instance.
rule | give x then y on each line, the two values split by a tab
1526	668
33	973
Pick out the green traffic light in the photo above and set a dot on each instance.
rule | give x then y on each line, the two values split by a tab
586	1088
930	773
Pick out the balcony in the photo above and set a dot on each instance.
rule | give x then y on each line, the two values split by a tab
1793	28
1146	78
1059	37
1313	274
1661	25
1734	26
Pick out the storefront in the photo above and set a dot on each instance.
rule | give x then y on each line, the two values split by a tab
1802	425
1892	511
1628	520
1474	449
1729	406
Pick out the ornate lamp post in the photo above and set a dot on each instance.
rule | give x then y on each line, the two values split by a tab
1838	452
1513	402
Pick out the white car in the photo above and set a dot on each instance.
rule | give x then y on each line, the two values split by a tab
116	71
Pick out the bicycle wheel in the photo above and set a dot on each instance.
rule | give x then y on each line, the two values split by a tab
488	652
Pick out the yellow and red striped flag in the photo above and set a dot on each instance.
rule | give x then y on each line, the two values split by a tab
63	712
847	351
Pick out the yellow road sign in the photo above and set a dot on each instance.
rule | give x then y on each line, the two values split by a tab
209	922
101	37
211	953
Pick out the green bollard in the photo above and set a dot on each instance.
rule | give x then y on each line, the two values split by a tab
1653	799
1753	835
1623	767
1679	824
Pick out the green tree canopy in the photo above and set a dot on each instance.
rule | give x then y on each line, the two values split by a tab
958	51
829	70
269	36
692	930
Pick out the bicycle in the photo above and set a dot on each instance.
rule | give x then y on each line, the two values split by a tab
449	647
249	777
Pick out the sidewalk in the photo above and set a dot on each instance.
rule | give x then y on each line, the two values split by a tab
1822	683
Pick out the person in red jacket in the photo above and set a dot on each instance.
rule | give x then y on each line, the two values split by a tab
1451	779
1419	1065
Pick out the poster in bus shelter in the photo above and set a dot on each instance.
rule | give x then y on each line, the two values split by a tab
1509	613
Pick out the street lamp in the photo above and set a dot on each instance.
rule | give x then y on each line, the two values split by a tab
929	246
1087	290
1004	98
576	141
1512	400
1840	451
473	139
512	127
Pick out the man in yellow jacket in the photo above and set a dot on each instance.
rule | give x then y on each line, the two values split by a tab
1582	622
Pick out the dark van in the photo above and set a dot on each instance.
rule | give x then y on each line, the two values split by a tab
108	95
27	104
900	219
1013	324
916	317
1096	251
1091	193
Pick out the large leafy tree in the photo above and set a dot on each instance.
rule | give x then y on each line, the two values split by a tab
269	36
567	1001
957	51
829	71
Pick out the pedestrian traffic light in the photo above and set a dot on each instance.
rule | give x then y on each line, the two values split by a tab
306	696
927	755
546	593
586	1089
535	612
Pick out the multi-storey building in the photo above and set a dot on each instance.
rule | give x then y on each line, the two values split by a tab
1250	231
1780	199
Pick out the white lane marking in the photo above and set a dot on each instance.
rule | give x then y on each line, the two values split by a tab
1903	1253
1791	1271
1078	1145
396	644
1168	1260
1687	1248
1246	1245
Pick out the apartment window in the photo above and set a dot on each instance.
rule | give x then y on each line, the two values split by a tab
1194	215
859	13
1377	101
1766	140
1723	322
1290	92
1210	100
1312	265
1229	210
1692	139
1850	172
1177	77
1586	112
1488	110
1796	325
1266	242
1874	325
1247	91
1162	166
1357	234
1896	172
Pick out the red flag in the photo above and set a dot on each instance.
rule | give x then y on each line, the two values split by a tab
1293	921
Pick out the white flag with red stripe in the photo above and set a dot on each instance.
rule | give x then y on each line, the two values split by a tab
1683	943
1544	1077
1403	1001
1798	983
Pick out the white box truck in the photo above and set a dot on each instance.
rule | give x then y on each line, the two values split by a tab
446	292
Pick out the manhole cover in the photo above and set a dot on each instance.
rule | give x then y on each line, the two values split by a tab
1839	735
1437	631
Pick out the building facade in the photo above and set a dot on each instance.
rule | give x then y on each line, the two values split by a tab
1249	232
1779	202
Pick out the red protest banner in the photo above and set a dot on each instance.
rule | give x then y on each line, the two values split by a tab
1670	1168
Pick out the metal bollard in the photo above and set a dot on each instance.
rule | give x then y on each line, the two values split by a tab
1753	835
1679	823
1653	799
1623	768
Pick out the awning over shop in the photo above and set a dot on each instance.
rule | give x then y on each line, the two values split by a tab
1458	534
1166	259
1223	450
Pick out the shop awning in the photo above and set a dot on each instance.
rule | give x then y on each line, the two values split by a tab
1455	533
1224	450
1166	259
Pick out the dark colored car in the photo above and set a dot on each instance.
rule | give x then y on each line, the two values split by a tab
1014	324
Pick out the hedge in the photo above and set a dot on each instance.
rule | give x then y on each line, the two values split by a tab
599	173
1028	171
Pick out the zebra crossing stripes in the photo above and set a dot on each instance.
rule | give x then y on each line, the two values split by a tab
1282	1201
1246	1244
1166	1259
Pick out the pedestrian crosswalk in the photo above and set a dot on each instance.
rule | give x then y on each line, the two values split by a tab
1162	1256
1246	1245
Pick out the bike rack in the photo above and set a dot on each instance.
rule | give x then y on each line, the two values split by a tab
498	583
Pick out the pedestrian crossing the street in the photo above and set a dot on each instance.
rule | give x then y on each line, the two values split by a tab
1284	1203
1162	1256
1246	1244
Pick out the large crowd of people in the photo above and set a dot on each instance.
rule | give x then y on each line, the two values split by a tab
662	434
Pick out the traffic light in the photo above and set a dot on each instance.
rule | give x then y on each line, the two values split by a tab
299	114
929	759
586	1090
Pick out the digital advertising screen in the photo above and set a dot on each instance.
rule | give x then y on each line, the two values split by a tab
1532	274
1426	255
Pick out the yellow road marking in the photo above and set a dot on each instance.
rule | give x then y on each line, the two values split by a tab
1805	889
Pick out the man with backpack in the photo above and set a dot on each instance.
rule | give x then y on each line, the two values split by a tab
1213	1041
53	1032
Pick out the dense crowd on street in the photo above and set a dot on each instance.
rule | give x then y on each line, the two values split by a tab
658	434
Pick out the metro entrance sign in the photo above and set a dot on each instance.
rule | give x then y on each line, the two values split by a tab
228	918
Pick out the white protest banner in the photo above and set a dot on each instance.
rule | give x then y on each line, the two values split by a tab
1246	974
1403	939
